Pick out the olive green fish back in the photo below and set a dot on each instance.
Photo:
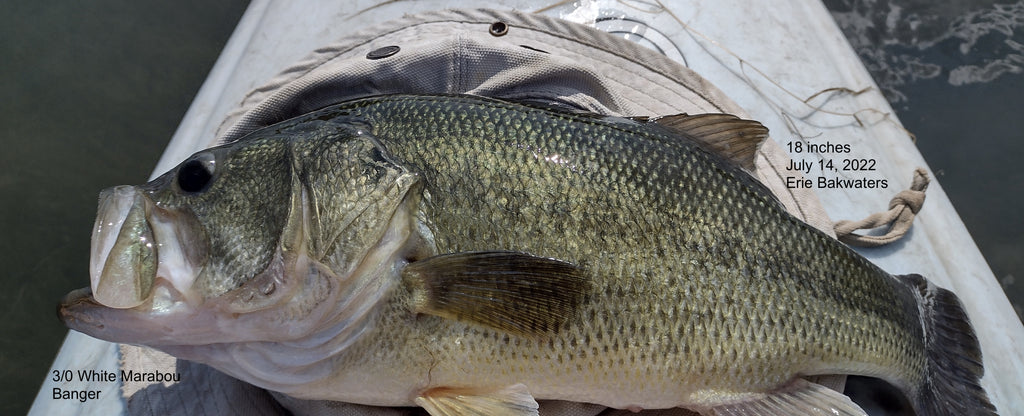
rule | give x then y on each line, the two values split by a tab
698	274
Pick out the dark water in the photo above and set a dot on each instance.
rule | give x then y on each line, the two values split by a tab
91	94
954	73
93	91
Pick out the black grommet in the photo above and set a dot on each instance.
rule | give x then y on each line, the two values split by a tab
383	52
498	29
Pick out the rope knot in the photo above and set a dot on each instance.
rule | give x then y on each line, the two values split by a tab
902	209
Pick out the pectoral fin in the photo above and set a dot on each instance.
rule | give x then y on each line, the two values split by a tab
510	401
799	397
511	291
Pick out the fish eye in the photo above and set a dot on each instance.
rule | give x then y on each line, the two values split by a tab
196	174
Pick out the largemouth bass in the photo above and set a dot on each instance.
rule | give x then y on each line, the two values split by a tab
470	255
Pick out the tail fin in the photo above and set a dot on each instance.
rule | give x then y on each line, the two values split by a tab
954	369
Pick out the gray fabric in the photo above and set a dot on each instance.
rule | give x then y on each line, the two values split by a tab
200	391
547	407
453	52
540	59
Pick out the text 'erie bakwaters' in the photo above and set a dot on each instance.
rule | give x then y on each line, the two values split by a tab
834	168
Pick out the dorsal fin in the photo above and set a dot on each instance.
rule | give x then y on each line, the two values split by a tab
726	135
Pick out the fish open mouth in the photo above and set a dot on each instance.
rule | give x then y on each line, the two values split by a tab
144	261
137	247
123	261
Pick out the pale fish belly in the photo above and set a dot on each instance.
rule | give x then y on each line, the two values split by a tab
625	348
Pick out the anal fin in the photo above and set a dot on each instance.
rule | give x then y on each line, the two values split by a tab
835	382
514	400
799	397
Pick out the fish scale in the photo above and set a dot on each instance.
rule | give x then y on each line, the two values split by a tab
474	172
469	255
